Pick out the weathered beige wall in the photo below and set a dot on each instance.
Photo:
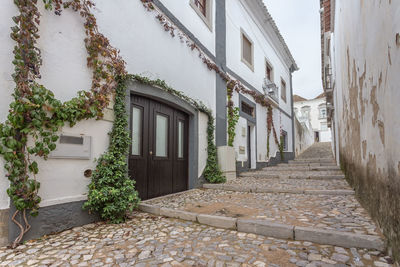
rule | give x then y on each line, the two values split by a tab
367	99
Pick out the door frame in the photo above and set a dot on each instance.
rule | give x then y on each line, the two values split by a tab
162	96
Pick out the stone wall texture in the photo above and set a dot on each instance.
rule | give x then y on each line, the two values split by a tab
366	96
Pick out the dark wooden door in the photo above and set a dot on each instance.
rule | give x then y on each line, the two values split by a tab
158	160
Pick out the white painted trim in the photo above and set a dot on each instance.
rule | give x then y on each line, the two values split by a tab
51	202
248	64
208	19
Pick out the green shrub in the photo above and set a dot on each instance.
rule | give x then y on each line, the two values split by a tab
112	193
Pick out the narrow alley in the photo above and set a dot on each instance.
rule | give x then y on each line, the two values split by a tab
305	204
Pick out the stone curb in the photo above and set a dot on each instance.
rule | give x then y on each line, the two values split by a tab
149	208
271	229
335	238
311	164
217	221
178	214
302	168
316	177
276	176
247	189
266	228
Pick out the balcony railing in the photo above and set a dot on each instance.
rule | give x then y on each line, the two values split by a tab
271	90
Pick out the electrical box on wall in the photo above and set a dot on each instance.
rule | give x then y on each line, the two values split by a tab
72	147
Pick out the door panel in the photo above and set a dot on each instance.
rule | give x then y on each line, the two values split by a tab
158	160
160	169
138	159
180	181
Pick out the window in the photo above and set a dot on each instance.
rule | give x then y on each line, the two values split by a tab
203	8
324	126
136	131
180	139
285	140
283	90
305	112
161	136
248	109
247	51
269	72
201	5
322	111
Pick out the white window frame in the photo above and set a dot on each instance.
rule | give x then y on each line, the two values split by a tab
248	64
320	108
208	19
268	63
283	82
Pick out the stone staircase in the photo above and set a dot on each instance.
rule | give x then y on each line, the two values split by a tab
306	199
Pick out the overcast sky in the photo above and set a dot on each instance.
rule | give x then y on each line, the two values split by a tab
299	24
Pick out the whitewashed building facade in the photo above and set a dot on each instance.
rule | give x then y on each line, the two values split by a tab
314	113
239	36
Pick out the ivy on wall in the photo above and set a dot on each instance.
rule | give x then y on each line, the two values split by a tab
35	115
111	192
233	118
212	173
232	84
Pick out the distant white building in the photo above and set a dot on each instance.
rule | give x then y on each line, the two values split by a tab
313	111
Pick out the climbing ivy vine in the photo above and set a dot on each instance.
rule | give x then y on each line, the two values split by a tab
233	118
212	173
111	192
35	116
232	84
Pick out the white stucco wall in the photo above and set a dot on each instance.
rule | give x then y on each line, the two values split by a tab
203	120
259	137
239	18
7	10
147	50
304	136
367	80
366	98
185	13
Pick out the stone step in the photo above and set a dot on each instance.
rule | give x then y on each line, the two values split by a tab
277	229
301	168
264	189
303	163
281	175
301	172
315	159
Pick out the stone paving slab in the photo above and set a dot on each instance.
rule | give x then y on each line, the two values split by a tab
301	172
300	168
148	240
304	184
328	212
267	189
292	175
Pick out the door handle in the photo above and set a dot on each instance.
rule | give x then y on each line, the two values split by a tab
151	153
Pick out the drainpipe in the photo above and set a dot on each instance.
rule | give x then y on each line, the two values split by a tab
292	69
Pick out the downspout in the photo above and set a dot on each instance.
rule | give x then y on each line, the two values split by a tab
292	69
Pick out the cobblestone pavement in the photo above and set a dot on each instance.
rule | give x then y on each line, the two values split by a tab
147	240
340	213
